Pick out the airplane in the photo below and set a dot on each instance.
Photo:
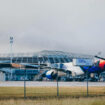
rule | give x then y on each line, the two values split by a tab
63	69
97	68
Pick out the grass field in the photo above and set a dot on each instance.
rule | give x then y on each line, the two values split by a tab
65	101
47	92
47	96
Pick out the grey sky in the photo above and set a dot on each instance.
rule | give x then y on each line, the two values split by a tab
67	25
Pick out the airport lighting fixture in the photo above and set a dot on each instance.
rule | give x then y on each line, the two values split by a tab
11	44
11	53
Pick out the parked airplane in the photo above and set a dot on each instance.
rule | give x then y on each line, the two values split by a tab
65	68
97	68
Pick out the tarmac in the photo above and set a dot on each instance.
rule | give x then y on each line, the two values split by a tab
48	84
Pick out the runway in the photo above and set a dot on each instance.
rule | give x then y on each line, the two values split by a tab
48	84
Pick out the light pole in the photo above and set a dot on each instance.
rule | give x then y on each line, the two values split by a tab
11	56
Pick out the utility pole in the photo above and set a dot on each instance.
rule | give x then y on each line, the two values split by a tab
11	53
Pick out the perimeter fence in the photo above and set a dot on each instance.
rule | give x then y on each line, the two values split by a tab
50	89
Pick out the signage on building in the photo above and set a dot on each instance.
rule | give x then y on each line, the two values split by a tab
82	62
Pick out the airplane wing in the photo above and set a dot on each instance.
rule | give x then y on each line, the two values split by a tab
21	65
99	57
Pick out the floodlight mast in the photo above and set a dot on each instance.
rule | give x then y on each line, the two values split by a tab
11	53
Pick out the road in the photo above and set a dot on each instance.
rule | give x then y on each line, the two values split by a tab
47	84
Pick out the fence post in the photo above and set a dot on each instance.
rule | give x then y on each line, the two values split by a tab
87	80
57	85
25	84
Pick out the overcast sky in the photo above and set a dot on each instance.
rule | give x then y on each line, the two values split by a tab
68	25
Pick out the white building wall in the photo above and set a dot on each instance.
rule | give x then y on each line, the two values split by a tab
2	76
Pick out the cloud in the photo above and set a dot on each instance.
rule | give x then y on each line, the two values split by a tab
71	25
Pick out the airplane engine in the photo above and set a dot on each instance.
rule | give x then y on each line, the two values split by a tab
52	74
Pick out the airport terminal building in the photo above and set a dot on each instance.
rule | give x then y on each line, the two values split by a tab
42	58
